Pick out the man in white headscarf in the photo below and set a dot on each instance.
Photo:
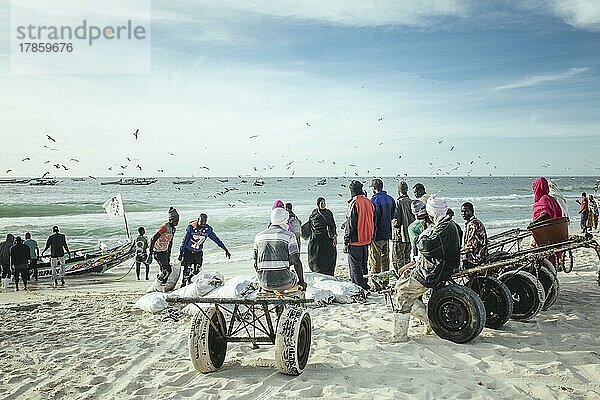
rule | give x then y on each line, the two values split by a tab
439	257
275	249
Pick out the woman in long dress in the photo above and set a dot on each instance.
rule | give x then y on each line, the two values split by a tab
322	252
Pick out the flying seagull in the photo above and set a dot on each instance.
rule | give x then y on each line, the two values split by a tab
8	170
51	138
136	133
74	159
50	148
26	159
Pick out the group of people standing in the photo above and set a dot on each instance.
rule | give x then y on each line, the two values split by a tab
588	211
19	258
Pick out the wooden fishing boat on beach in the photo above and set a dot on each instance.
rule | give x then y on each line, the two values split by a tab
90	260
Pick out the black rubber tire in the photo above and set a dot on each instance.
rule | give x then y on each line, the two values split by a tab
292	340
456	313
548	278
496	298
527	293
207	347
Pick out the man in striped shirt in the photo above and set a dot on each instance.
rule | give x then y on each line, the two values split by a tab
275	249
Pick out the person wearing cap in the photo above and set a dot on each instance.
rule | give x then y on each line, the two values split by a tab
358	233
190	251
439	257
475	245
384	211
19	262
34	254
57	243
161	244
403	217
274	250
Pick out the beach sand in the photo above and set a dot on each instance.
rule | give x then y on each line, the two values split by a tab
85	341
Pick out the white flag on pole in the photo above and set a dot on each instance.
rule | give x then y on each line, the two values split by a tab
114	207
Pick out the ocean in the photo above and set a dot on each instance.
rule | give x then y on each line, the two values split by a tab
237	211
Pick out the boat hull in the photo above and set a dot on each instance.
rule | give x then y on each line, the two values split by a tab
97	262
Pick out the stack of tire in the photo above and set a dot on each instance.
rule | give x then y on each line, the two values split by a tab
460	312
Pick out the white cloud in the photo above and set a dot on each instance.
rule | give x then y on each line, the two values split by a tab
344	12
583	14
541	79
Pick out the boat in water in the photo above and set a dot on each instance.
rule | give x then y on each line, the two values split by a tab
78	179
90	260
43	182
137	181
184	181
131	182
321	182
259	182
13	180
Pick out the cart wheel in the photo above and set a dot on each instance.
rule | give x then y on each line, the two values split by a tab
292	340
549	281
496	298
456	313
527	293
207	346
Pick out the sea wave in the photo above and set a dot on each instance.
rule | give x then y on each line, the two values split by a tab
508	223
59	209
512	196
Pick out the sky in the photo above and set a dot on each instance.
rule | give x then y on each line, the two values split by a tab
314	88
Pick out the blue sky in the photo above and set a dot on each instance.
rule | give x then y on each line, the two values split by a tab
393	87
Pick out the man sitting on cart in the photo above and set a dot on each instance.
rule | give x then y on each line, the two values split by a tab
439	257
275	249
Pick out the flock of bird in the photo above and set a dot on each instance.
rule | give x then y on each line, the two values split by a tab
438	166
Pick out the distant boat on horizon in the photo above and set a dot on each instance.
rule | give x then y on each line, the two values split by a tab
13	180
259	182
43	182
184	181
321	182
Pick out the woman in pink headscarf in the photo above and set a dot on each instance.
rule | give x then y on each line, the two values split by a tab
544	206
280	204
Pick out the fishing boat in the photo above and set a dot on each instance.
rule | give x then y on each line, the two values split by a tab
110	182
137	181
184	181
78	179
259	182
321	182
13	180
90	260
43	182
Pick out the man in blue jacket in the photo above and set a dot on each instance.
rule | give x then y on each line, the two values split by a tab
385	209
190	252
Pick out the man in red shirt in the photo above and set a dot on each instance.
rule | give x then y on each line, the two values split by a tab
161	245
358	233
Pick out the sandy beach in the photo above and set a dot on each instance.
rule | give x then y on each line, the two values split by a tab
85	341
